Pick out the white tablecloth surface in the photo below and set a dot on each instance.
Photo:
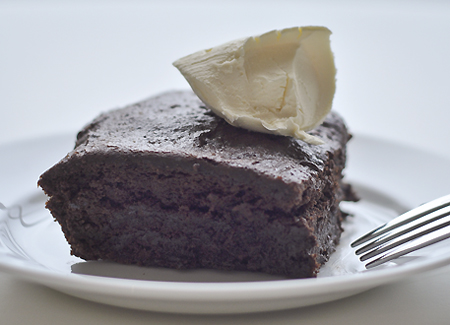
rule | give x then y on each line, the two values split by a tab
64	62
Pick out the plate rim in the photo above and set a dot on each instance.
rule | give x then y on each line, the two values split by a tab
207	291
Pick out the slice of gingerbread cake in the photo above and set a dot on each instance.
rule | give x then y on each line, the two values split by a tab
167	183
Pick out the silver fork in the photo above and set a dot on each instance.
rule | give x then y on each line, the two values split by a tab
415	229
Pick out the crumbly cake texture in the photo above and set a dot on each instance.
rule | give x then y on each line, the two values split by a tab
167	183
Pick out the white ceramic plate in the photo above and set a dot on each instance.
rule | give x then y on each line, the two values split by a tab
390	178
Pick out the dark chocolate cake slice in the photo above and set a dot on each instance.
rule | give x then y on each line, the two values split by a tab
166	183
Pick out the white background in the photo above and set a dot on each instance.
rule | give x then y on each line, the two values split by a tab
62	63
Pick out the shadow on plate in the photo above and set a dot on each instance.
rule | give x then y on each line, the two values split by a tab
114	270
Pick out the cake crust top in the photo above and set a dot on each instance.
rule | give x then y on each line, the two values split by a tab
177	124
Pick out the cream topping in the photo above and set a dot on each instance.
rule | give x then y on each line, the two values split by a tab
280	82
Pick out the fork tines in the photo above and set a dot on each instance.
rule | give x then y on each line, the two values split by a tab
420	227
